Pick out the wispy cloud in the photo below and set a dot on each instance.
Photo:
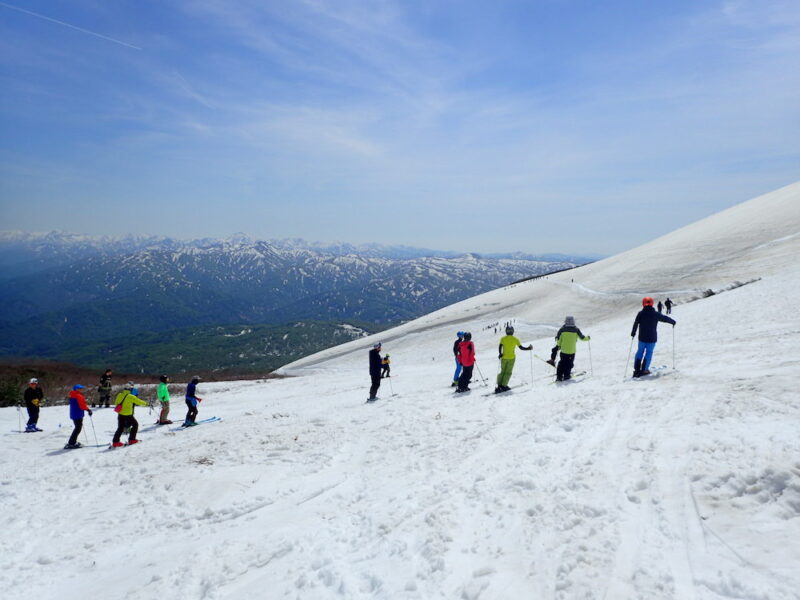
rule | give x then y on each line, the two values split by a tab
354	101
71	26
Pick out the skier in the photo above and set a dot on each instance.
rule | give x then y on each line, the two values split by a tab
34	396
77	406
456	344
567	341
163	396
126	400
647	323
191	402
507	355
668	304
466	358
660	306
104	390
385	369
374	371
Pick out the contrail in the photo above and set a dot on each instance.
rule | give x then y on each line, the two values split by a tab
102	37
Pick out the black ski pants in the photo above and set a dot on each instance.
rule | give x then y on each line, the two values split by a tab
191	414
33	414
376	383
464	378
564	368
76	432
122	423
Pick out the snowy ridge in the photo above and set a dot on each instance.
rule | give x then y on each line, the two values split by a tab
685	486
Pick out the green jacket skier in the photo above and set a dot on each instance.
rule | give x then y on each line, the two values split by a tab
162	392
507	355
567	341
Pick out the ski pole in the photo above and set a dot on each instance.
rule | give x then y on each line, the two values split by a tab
85	435
483	379
391	387
627	362
19	416
673	347
591	364
531	359
91	420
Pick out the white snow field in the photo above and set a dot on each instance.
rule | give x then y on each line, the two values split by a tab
684	485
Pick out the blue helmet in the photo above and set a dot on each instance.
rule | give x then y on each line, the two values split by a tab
78	387
460	334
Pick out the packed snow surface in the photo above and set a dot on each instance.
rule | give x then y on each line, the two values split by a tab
682	485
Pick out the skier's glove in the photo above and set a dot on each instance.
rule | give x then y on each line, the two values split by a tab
90	412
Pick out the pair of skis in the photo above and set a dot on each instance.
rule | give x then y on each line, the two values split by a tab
208	420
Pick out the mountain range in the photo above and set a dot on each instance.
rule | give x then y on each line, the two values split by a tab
62	292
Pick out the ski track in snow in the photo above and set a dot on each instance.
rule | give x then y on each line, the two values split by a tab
685	485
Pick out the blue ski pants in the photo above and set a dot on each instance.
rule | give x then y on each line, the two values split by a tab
645	351
458	371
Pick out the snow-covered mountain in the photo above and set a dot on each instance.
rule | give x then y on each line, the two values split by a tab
682	485
95	289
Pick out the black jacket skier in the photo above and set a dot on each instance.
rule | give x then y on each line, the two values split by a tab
374	371
647	322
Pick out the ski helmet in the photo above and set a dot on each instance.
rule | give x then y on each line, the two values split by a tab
77	387
460	334
34	380
164	379
647	301
569	321
129	385
376	346
509	330
467	336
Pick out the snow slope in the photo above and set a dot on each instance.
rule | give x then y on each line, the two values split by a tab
682	486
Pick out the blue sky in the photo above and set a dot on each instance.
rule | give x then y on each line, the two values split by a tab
547	125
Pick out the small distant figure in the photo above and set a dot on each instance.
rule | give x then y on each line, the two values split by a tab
385	369
668	304
104	390
466	357
34	396
647	323
567	341
660	306
374	371
77	408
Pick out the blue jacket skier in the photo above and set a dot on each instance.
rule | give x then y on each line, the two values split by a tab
77	408
456	346
191	402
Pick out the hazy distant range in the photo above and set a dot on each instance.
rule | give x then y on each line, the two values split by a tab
155	304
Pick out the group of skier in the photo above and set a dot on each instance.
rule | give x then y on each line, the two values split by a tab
124	404
566	342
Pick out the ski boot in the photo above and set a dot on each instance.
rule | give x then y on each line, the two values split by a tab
637	368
